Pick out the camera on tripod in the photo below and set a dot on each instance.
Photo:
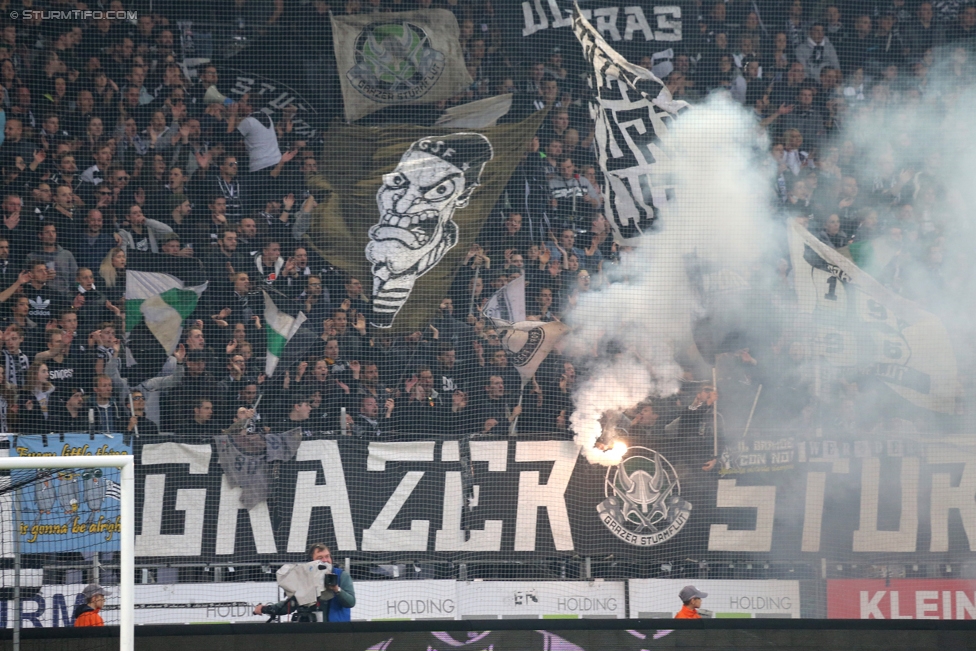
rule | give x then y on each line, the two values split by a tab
305	586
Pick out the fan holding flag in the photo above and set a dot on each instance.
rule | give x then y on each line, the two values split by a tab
281	327
528	343
161	291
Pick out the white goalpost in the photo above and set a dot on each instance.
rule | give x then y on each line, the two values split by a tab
125	463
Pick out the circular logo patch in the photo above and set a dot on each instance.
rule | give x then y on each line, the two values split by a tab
643	504
395	63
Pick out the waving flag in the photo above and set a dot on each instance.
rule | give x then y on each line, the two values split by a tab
395	59
860	324
632	110
162	301
161	291
403	204
529	343
281	328
508	303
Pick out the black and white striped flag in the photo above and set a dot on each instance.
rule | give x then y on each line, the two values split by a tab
113	490
633	110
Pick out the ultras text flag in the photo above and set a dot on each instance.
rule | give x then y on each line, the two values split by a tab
632	111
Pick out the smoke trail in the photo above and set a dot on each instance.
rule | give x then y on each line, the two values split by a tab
718	221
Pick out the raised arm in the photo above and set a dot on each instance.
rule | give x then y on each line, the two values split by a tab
22	279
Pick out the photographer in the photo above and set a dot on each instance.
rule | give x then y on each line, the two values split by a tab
334	609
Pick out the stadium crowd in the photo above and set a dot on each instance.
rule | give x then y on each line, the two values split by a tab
110	152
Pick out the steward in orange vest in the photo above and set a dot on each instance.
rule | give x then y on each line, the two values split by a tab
691	597
86	614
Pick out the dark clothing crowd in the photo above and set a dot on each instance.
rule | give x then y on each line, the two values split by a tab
110	152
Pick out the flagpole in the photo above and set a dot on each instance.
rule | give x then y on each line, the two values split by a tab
816	393
132	409
752	411
514	423
715	414
477	274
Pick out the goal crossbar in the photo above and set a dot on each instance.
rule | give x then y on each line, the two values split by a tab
127	563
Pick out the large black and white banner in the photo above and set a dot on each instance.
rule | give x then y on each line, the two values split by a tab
636	28
633	110
782	497
861	326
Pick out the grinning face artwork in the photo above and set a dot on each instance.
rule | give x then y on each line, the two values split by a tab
416	203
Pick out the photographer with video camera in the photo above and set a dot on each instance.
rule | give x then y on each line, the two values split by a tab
317	591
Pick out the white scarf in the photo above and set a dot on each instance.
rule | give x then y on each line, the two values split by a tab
279	263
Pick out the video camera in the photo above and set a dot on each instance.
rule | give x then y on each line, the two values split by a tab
305	585
331	578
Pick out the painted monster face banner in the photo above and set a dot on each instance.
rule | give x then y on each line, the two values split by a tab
417	201
400	205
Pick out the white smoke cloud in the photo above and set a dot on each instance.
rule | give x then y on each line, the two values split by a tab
718	221
934	145
614	387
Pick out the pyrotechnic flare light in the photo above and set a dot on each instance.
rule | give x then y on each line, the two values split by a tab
609	455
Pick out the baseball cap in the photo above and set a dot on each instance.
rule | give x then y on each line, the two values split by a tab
690	592
93	589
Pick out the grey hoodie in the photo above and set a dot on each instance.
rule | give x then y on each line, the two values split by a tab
154	230
64	264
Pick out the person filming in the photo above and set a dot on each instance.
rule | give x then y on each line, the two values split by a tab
334	602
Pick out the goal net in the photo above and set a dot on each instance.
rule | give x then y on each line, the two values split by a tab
66	537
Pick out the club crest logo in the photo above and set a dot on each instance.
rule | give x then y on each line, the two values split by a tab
395	63
643	504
